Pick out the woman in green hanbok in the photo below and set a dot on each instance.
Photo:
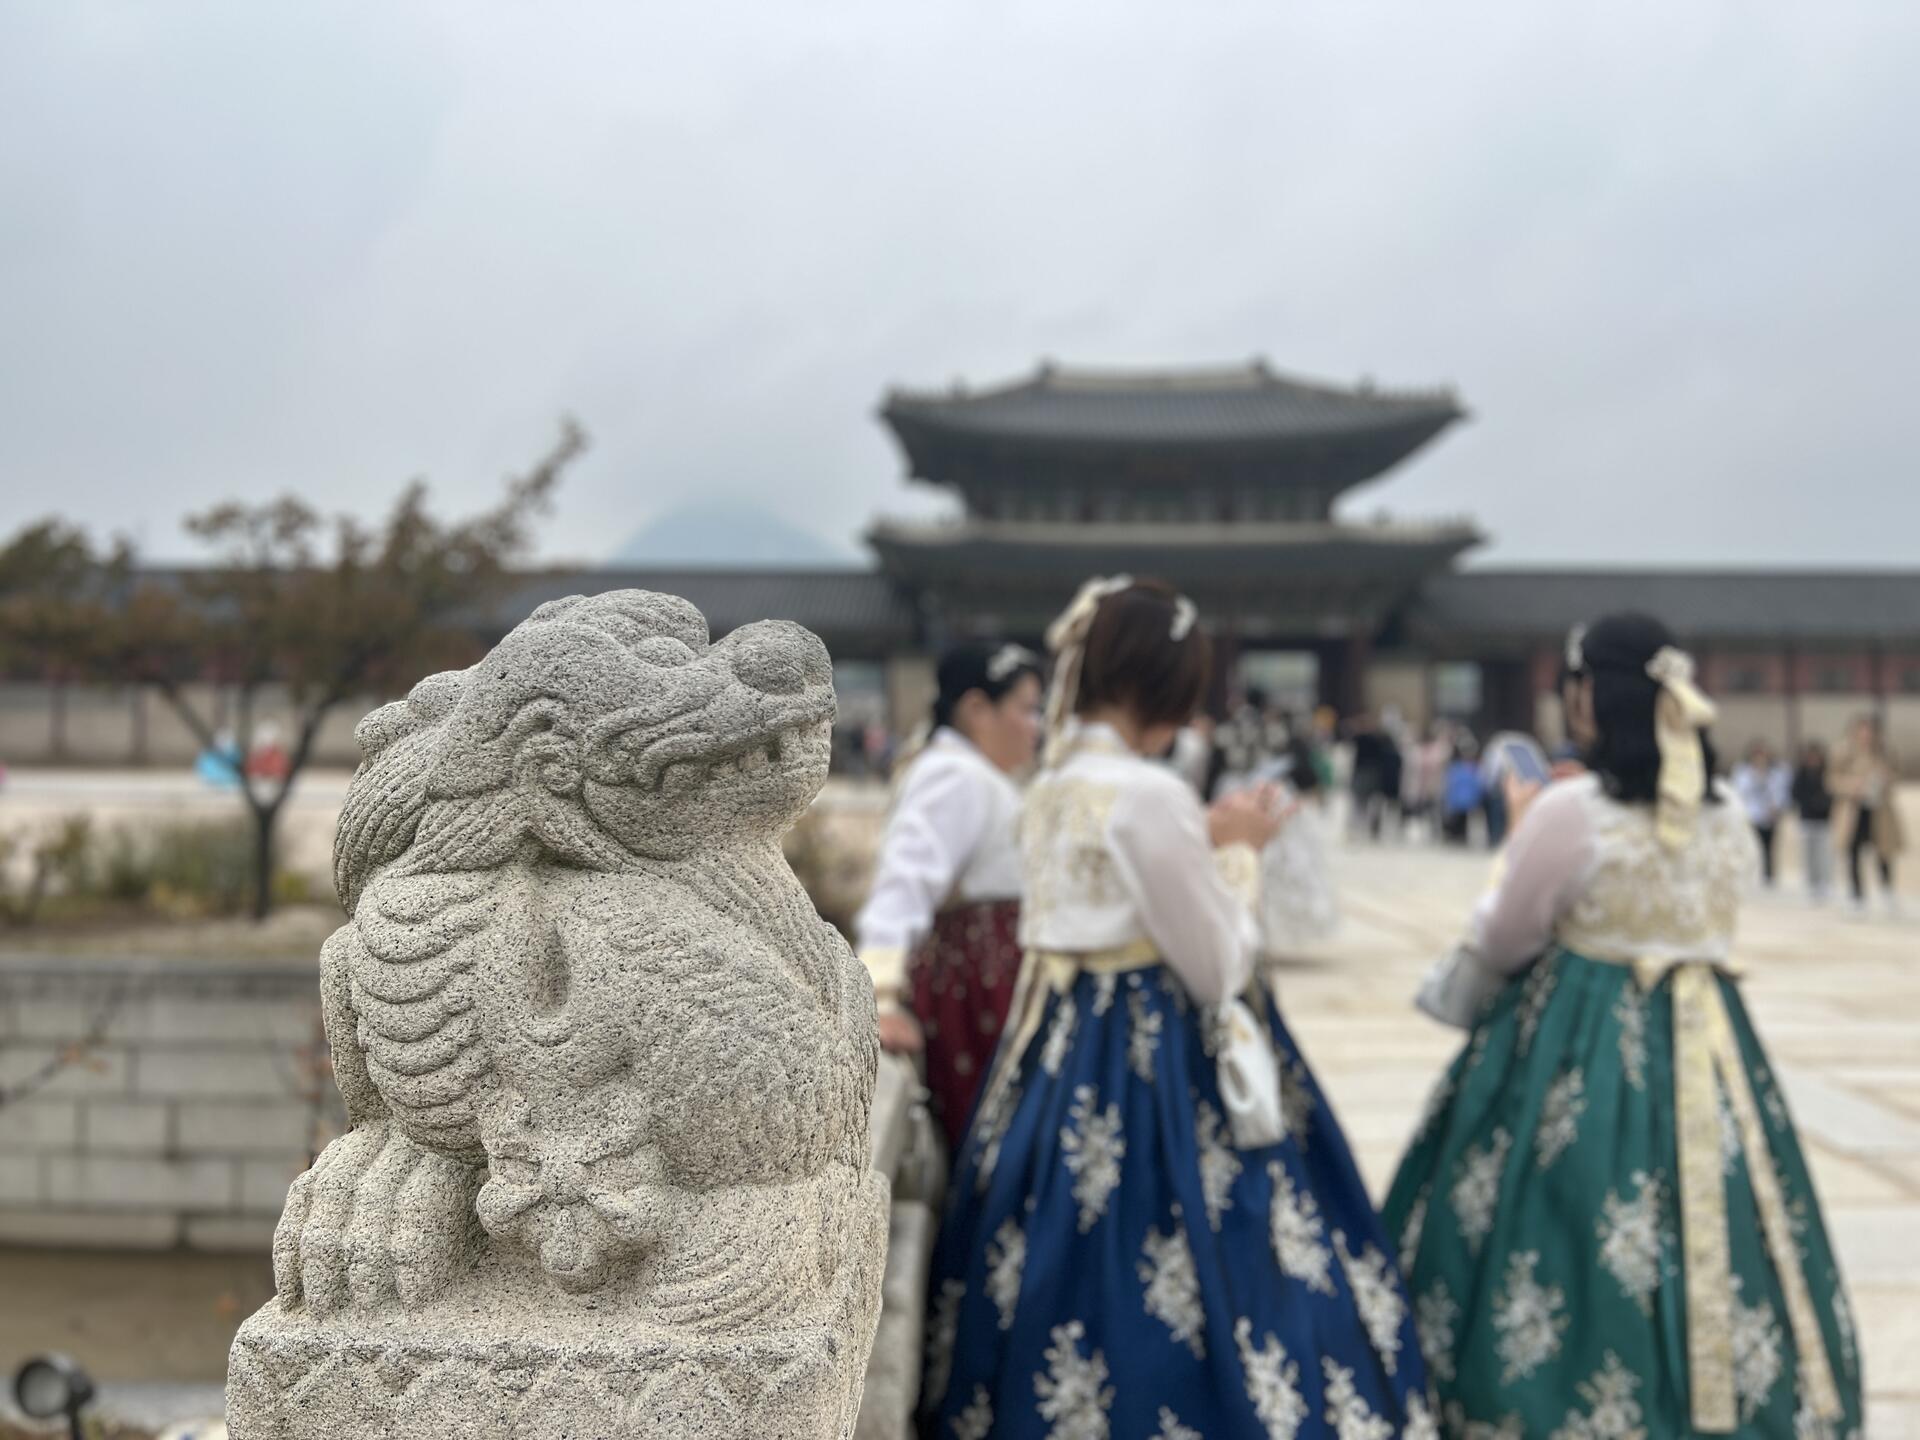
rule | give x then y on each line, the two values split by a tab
1605	1219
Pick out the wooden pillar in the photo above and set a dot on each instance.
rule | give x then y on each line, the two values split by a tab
1358	652
1226	659
1877	681
1790	696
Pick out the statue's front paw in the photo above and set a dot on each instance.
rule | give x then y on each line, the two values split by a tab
377	1217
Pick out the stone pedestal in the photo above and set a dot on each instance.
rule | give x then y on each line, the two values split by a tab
505	1360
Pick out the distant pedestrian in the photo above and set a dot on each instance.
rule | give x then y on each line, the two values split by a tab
1460	797
1862	779
1764	786
1374	753
1813	803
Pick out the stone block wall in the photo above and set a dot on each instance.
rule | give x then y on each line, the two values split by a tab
154	1103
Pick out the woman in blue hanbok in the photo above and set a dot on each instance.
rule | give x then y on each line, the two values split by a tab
1156	1231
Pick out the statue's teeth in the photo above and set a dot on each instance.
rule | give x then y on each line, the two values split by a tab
755	759
682	776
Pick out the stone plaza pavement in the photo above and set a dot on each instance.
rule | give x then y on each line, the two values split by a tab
1836	999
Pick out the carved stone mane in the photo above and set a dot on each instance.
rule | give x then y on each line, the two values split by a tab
608	1073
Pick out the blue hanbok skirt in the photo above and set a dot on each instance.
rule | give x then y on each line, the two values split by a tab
1111	1267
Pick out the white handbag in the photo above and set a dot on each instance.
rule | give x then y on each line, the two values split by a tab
1457	988
1249	1074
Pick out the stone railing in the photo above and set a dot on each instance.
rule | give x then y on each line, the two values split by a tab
910	1150
153	1103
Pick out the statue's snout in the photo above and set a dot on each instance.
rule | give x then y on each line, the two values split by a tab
777	657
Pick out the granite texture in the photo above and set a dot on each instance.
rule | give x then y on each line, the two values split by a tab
608	1074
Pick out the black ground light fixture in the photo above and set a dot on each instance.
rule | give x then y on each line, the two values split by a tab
50	1385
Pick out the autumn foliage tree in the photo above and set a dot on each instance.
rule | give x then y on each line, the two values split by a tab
295	613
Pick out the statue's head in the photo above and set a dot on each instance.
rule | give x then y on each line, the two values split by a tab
600	724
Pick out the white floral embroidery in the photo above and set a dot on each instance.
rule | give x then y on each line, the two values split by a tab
1094	1148
1843	1320
1435	1313
990	1129
1612	1412
1642	895
1416	1223
1507	1427
1073	1393
1215	1031
1757	1353
1437	1101
1273	1383
1104	987
1421	1424
1143	1034
976	1421
1477	1190
1298	1233
1172	1429
1347	1410
1731	1145
1175	991
1776	1107
1477	1048
1560	1113
1382	1310
943	1328
1173	1287
1296	1102
1219	1162
1809	1426
1535	991
1631	1238
1053	1054
1631	1011
1006	1260
1529	1316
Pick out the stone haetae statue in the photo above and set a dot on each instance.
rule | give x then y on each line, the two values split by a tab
608	1073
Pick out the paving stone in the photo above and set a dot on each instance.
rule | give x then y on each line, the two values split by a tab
1846	1120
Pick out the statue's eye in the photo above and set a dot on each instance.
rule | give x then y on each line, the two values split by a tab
664	650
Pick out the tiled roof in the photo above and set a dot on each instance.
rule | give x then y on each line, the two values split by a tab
1245	405
838	602
1265	552
1704	605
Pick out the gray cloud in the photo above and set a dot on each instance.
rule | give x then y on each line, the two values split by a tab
1666	257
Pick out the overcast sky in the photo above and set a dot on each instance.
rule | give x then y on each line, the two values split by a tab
1668	254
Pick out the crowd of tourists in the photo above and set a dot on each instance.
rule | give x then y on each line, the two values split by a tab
1841	803
1604	1225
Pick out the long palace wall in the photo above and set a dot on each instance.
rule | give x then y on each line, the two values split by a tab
154	1103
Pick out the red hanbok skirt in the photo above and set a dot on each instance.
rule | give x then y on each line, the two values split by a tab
961	980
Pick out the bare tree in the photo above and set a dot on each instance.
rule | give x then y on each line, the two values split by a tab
318	609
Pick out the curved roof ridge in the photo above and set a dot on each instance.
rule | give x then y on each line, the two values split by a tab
1050	377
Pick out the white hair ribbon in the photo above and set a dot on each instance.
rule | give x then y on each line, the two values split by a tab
1680	713
1009	658
1067	638
1577	649
1184	614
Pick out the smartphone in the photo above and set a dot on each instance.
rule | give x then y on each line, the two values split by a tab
1519	756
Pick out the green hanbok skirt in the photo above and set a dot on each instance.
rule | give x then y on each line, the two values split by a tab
1609	1231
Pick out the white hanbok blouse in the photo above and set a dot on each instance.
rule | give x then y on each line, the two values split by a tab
949	839
1588	872
1116	852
